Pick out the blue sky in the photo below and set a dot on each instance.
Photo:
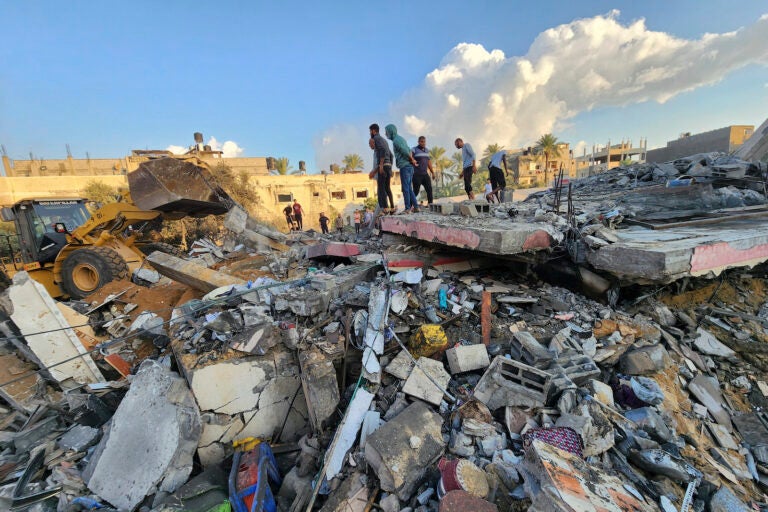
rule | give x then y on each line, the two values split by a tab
108	77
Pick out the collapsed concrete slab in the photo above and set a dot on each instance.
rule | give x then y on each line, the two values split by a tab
190	273
488	235
151	440
332	250
48	334
648	256
321	387
398	459
560	481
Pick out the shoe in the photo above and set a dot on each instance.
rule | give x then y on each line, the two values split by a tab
415	210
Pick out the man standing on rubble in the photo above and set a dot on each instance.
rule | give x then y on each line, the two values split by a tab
298	212
382	168
423	165
405	163
324	220
469	165
498	182
288	212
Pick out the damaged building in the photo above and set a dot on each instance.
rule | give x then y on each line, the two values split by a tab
598	346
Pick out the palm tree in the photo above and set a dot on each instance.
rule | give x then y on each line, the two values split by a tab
457	162
353	162
283	166
440	163
547	144
491	150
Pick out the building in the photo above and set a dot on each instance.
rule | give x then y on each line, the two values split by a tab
725	140
603	158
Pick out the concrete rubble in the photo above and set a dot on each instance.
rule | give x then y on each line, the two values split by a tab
571	352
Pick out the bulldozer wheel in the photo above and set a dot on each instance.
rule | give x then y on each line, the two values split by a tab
86	270
162	247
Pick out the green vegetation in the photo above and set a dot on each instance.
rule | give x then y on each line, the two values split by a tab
547	144
353	162
100	192
282	165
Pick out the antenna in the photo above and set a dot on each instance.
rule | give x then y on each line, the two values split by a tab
69	152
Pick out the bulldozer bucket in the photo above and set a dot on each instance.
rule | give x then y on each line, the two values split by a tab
178	187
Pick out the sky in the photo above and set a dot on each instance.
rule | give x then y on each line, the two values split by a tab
303	80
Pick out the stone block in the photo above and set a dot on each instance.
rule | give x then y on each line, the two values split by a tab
526	348
420	386
151	441
645	360
465	358
321	388
706	343
188	273
511	383
468	210
389	451
707	391
281	408
79	438
231	387
601	392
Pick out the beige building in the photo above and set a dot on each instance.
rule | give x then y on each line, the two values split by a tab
329	193
725	140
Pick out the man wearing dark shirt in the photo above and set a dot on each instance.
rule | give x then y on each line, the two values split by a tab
382	167
324	223
298	212
423	165
288	211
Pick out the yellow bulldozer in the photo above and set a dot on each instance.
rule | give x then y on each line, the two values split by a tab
74	252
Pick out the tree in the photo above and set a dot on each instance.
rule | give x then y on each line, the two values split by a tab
440	163
100	192
457	162
547	144
335	169
283	166
353	162
492	149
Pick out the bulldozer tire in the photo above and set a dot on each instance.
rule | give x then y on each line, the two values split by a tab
162	247
86	270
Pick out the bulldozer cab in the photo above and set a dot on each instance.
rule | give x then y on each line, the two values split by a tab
42	226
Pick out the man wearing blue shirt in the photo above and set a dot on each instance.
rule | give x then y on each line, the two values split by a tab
405	162
498	182
469	165
423	165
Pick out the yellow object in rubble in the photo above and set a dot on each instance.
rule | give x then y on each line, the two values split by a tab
429	338
246	444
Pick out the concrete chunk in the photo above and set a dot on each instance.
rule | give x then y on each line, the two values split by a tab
707	391
465	358
389	450
645	360
418	384
150	444
707	344
511	383
321	388
527	348
189	273
231	388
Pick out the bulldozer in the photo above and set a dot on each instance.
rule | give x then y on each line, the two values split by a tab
74	251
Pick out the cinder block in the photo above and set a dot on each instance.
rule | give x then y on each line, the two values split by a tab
466	358
468	210
578	368
525	347
512	383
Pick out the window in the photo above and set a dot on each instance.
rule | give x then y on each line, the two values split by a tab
361	194
284	198
315	194
339	195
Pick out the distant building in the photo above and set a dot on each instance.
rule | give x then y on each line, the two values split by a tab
725	140
603	158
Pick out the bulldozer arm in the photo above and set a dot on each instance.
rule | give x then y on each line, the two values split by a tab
178	187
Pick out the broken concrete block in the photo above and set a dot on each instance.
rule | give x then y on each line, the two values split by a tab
332	250
388	450
707	344
281	410
420	386
516	419
561	481
707	391
79	438
400	366
527	348
188	273
465	358
724	500
219	430
578	368
659	462
594	426
511	383
650	421
346	434
321	388
601	392
133	461
233	386
721	435
645	360
48	334
21	394
468	210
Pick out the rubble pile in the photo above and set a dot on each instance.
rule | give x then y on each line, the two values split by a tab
318	374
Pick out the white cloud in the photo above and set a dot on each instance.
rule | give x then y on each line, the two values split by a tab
569	69
229	148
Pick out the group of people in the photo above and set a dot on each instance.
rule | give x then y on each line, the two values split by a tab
415	166
362	218
294	215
